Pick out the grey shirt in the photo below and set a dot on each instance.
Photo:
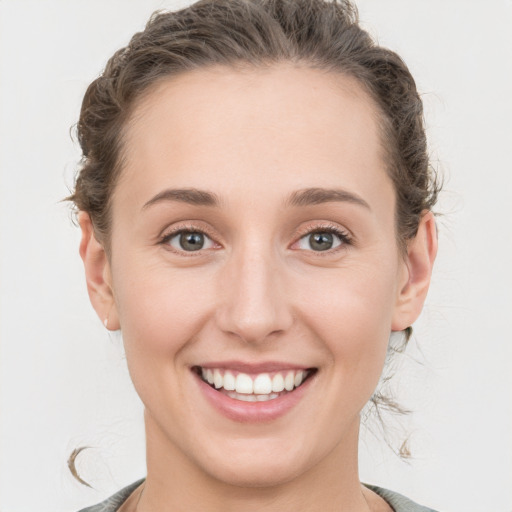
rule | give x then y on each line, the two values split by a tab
398	502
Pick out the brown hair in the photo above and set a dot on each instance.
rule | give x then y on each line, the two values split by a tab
315	33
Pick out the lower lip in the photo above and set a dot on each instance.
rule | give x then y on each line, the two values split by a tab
253	412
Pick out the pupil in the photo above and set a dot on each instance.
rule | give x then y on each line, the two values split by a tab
321	241
191	241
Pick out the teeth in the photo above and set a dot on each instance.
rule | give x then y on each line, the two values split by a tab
277	383
289	381
298	379
218	381
247	398
260	387
229	381
264	398
262	384
252	398
243	384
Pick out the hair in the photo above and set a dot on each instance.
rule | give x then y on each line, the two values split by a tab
314	33
318	34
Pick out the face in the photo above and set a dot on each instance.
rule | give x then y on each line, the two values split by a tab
253	245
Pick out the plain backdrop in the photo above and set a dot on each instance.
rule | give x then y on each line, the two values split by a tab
64	383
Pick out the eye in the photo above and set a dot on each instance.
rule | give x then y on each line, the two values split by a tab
323	240
189	241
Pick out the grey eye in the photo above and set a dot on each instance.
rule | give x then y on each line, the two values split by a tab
319	241
190	241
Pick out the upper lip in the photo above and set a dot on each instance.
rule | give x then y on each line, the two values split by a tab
260	367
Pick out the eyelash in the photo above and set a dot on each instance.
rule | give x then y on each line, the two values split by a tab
344	236
190	228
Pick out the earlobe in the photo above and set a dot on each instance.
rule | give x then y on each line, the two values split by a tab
97	274
421	253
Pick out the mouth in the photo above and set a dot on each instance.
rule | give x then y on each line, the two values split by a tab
254	387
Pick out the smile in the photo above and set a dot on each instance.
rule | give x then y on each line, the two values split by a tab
260	387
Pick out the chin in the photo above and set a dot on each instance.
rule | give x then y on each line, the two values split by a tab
257	474
258	463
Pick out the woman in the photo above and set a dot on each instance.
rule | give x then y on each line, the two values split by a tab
255	203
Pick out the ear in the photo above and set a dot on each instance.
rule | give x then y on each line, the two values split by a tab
416	273
97	274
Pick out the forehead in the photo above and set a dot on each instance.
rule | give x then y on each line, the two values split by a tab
261	129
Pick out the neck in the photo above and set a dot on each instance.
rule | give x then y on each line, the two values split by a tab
175	482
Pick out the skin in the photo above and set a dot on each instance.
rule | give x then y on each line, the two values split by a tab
258	291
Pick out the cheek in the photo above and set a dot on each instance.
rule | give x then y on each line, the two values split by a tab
161	315
351	313
160	311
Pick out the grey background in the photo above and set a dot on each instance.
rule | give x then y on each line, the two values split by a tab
63	381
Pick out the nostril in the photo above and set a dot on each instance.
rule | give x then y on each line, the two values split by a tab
257	311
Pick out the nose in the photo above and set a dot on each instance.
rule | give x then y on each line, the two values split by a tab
255	307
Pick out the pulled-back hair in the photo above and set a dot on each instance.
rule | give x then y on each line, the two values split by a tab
259	33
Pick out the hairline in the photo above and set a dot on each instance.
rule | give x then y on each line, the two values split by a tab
354	85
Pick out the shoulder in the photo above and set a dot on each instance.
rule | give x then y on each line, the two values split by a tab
397	501
113	503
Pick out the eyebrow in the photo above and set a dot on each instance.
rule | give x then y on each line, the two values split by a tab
312	196
304	197
185	195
